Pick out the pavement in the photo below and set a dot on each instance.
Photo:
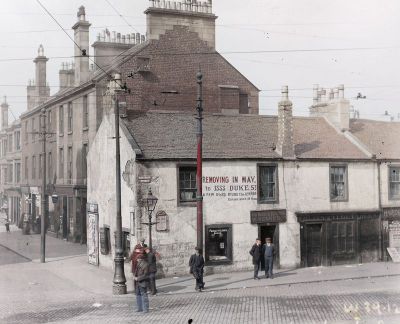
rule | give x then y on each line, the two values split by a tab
66	289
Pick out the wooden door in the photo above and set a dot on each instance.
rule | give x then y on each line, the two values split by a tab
314	245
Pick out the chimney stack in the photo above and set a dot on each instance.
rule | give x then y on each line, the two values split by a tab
285	145
37	90
81	37
196	15
4	114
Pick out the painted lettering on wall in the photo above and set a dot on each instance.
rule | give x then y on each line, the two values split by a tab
231	188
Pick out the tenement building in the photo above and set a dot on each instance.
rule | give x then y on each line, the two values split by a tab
10	165
158	70
312	184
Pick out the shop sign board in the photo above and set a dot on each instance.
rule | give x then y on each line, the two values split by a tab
93	234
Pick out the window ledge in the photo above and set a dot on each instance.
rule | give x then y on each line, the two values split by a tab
261	202
69	133
61	135
187	204
85	129
217	263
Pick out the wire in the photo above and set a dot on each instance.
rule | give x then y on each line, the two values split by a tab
119	14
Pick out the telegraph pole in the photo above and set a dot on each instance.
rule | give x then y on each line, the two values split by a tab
119	281
199	135
43	133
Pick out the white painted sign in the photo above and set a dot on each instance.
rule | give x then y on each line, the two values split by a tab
231	188
93	238
395	254
394	235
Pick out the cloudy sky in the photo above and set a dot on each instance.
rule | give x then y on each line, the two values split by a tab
276	42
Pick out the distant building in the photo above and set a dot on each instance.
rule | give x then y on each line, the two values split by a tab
10	165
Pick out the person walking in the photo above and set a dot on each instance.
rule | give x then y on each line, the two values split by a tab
268	252
196	264
141	277
152	261
256	253
7	224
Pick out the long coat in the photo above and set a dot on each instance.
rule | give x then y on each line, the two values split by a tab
196	264
255	252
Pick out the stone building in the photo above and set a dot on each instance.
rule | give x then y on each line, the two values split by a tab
10	165
157	81
302	181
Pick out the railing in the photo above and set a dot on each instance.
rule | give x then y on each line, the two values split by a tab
185	5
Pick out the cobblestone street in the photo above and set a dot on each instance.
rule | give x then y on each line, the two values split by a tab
67	290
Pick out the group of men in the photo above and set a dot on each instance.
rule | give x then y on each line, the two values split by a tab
266	252
144	268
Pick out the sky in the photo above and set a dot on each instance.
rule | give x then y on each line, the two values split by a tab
276	42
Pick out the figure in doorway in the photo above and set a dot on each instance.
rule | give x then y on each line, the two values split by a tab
256	253
268	252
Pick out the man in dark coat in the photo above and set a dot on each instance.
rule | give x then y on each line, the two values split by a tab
152	261
141	277
268	252
256	253
196	264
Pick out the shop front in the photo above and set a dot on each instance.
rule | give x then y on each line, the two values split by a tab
390	231
339	238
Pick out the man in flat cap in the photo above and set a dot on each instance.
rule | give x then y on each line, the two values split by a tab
196	264
268	251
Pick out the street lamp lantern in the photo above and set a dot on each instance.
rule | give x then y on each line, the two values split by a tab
151	201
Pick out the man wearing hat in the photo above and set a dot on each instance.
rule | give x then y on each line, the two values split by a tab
256	253
196	264
268	251
139	249
141	278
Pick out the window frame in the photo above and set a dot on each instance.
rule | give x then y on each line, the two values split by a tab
61	163
275	200
180	202
85	112
346	182
61	120
70	162
70	116
390	168
33	175
229	247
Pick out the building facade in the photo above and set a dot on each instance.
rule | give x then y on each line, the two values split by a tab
10	166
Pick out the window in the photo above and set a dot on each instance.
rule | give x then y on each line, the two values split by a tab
69	165
187	184
50	167
85	112
17	141
10	173
18	172
338	183
343	237
33	127
126	243
26	168
49	120
69	117
243	103
33	167
394	182
84	160
267	179
61	120
40	166
218	243
5	147
26	131
61	166
10	143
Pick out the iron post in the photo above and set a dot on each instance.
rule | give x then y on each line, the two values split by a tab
199	135
119	281
43	198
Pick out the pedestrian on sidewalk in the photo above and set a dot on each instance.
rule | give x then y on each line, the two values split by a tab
152	261
256	253
141	277
268	252
7	224
196	264
138	249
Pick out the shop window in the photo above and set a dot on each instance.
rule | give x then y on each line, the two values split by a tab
394	182
218	243
126	243
343	237
268	180
105	242
187	184
338	183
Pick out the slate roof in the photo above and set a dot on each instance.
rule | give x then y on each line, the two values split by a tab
172	135
381	138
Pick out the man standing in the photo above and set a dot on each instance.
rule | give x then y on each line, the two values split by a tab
256	253
141	277
196	264
152	261
268	251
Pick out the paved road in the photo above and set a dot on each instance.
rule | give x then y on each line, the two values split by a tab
8	256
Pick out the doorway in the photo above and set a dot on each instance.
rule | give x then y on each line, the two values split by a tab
272	231
64	218
314	245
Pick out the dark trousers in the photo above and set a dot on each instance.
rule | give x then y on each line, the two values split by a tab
199	281
257	267
152	284
142	299
269	263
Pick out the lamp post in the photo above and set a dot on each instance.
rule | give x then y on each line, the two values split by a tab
151	202
119	281
199	174
43	133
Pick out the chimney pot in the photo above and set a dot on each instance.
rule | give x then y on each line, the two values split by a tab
341	91
285	93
